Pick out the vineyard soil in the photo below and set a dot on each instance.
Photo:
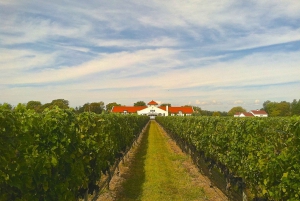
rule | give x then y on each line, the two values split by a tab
157	169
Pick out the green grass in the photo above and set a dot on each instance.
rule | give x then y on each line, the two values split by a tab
157	173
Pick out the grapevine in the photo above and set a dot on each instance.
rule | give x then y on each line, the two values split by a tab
58	155
263	153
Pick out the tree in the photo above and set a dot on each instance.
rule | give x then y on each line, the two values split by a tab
34	105
224	114
139	103
284	108
234	110
6	106
197	111
265	106
275	109
20	107
61	103
46	105
165	104
216	114
109	106
295	107
96	107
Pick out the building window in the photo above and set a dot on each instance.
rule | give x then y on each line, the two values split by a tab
125	112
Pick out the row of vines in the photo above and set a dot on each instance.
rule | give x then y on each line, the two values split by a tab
58	155
264	153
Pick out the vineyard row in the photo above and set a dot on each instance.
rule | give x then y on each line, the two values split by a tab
260	155
59	155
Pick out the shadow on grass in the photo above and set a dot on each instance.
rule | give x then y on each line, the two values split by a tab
134	179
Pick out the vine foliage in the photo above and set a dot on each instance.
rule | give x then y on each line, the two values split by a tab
263	153
57	154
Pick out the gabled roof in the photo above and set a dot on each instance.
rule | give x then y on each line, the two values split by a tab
248	114
129	109
185	110
152	103
258	112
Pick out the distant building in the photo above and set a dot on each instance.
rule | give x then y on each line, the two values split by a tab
252	113
259	113
152	110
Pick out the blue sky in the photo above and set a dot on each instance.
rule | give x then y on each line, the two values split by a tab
207	53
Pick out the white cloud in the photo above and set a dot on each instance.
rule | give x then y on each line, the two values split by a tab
208	103
156	42
255	40
237	102
162	50
19	60
106	62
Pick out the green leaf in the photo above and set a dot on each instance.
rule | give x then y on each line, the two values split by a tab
265	191
285	175
53	161
45	186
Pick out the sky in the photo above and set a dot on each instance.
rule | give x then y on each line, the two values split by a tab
208	53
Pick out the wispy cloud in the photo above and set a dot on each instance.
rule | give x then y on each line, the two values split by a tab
215	54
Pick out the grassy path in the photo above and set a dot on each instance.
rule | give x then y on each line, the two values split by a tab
157	173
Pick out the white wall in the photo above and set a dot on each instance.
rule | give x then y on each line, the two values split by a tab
152	109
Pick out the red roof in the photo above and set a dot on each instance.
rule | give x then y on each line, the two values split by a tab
152	103
248	114
184	110
258	112
129	109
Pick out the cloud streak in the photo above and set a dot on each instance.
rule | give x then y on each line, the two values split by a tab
198	52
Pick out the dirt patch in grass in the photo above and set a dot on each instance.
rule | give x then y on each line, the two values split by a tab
124	172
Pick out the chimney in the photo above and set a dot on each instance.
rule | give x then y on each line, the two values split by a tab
167	108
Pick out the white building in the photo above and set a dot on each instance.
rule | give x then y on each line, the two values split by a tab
153	110
252	113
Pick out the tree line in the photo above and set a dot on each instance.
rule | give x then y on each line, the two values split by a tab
282	108
273	109
96	107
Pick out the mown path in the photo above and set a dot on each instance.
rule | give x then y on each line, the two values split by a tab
158	170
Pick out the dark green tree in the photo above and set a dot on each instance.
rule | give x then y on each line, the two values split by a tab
216	114
96	107
46	105
61	103
275	109
34	105
109	106
165	104
295	107
139	103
